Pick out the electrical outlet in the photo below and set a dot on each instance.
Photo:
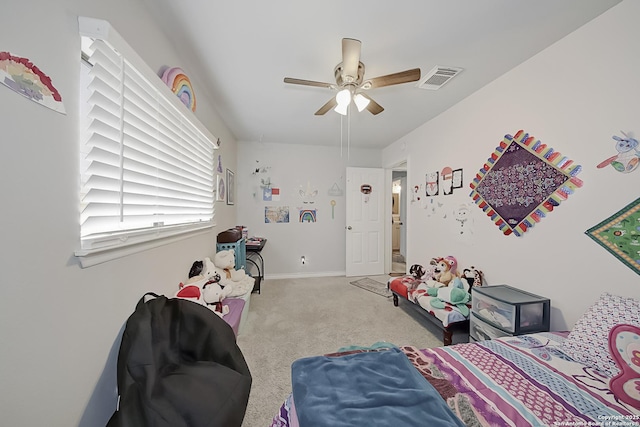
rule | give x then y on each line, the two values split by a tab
303	260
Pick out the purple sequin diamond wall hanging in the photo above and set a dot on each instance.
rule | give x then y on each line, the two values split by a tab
522	182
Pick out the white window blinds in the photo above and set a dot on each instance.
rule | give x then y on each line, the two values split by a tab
146	166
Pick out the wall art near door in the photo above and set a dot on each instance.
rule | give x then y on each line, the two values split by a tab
308	215
522	182
22	76
620	235
335	190
431	186
446	180
456	178
274	214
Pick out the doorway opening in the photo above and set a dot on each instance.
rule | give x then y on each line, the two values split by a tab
398	220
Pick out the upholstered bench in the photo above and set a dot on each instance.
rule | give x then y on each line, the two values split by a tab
448	319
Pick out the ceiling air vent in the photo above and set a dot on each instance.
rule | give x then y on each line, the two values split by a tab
437	77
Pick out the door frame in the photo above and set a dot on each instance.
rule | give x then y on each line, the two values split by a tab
402	165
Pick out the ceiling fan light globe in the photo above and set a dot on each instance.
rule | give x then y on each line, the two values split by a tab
343	97
361	102
341	109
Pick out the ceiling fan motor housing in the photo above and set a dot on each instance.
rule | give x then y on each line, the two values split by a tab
342	80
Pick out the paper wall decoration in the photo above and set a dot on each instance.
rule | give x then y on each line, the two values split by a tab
620	235
522	182
22	76
463	221
308	215
308	195
446	180
271	194
628	157
457	178
180	84
335	190
273	214
431	183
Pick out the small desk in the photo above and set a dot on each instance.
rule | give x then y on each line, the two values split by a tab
254	257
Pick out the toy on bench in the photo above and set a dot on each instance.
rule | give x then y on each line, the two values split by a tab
440	292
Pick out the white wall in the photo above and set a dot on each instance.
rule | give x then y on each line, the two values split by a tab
291	168
574	97
60	324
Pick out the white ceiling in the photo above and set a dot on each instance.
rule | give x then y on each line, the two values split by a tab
238	52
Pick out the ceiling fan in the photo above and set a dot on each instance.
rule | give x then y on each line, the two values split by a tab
350	82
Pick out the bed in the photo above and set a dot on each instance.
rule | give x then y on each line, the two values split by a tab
542	379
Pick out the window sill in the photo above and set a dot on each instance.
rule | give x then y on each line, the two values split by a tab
91	257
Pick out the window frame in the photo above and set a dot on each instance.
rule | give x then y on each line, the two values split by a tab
104	246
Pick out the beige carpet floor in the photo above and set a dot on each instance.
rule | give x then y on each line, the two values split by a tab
294	318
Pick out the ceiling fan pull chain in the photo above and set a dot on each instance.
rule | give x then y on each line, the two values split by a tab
348	131
341	136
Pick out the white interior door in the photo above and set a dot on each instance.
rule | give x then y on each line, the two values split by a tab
365	222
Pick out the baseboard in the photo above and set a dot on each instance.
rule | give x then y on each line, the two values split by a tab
306	275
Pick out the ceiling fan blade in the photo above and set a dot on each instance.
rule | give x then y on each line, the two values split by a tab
350	58
373	107
328	106
395	78
307	82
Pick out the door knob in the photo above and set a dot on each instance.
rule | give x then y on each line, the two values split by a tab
349	227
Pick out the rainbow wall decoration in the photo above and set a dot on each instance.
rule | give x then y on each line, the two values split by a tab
522	182
22	76
180	84
308	215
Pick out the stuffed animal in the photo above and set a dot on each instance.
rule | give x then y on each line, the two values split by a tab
444	271
209	269
209	295
241	283
213	294
196	269
473	276
417	271
195	275
226	261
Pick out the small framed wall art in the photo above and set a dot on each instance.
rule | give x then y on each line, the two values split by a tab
221	189
231	188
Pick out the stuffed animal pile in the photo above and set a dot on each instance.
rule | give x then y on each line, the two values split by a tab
444	284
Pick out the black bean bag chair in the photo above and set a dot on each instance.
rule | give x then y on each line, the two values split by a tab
179	365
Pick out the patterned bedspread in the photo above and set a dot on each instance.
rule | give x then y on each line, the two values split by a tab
513	381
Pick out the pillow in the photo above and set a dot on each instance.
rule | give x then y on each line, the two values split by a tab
588	342
624	345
